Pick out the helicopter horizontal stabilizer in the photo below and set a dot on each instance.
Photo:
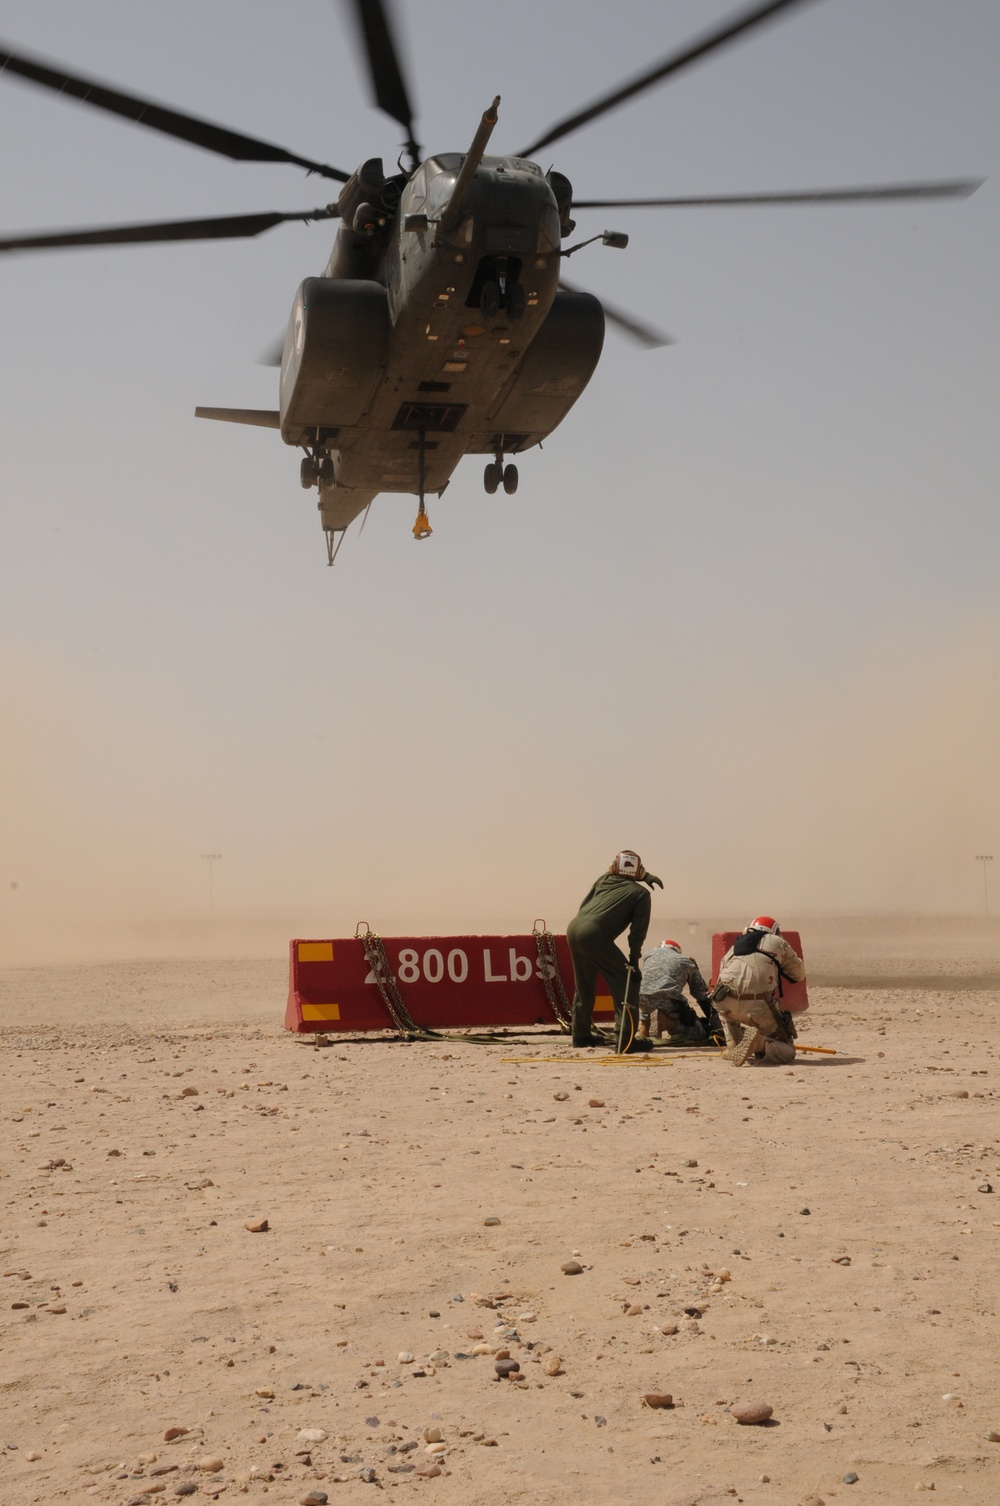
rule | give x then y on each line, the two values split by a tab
262	418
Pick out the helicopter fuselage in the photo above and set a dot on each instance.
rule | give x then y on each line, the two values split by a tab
428	339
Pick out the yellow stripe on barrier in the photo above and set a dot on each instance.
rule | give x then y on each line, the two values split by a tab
315	951
321	1012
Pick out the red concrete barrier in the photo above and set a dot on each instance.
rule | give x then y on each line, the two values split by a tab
447	982
794	996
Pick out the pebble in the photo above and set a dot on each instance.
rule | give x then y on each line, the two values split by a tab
657	1399
506	1367
749	1412
993	1436
189	1092
404	1357
553	1365
595	1103
186	1488
724	1275
265	1392
369	1476
813	1501
851	1478
805	1210
435	1448
633	1310
841	1259
690	1163
211	1465
985	1187
257	1225
428	1470
173	1433
31	1456
432	1435
669	1328
560	1097
527	1317
311	1435
314	1498
572	1268
491	1223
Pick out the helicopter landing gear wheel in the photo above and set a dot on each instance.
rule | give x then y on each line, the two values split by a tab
325	471
510	479
516	301
489	299
307	472
492	476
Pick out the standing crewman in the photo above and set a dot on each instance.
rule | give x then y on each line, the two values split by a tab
747	994
615	901
666	972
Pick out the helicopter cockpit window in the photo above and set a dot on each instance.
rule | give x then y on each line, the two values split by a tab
416	192
439	191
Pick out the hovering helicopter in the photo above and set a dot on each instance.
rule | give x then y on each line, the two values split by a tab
442	325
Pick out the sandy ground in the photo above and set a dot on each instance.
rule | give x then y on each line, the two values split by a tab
150	1110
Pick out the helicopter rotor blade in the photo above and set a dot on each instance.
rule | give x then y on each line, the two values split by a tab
391	94
674	63
950	188
225	227
145	112
645	334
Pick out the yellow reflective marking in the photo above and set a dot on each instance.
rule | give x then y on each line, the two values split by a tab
604	1004
315	951
321	1011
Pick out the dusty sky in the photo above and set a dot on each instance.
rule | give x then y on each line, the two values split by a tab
742	613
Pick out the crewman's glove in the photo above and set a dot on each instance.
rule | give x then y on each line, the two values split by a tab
652	881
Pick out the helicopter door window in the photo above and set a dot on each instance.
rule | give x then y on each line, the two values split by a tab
416	192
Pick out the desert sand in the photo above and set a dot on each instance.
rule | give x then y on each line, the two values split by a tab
821	1238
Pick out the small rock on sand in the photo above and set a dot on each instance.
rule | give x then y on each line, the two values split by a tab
314	1498
311	1435
428	1470
572	1268
595	1103
257	1225
553	1365
491	1223
749	1412
211	1465
657	1399
560	1097
173	1433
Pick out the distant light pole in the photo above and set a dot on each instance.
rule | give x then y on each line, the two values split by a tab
211	858
984	858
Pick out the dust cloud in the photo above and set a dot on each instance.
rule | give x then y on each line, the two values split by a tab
868	794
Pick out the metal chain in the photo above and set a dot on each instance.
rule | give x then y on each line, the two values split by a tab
388	987
548	966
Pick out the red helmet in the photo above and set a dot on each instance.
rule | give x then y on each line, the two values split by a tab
675	944
765	923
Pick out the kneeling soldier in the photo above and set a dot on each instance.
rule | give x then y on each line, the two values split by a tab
748	992
666	972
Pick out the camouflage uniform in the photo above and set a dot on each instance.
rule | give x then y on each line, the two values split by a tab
752	980
665	975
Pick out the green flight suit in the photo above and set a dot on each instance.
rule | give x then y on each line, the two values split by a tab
613	903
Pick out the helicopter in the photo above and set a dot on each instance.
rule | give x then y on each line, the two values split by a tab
442	324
